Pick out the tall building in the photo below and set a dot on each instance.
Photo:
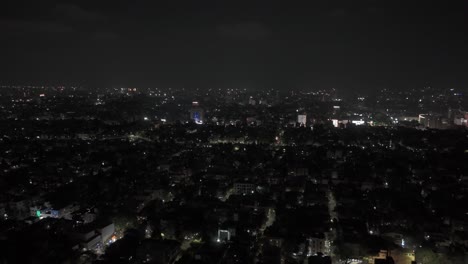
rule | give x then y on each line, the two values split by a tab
196	113
302	119
433	121
244	188
316	244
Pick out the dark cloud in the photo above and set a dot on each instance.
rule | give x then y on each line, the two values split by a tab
58	18
375	10
355	11
338	12
248	31
313	42
22	27
76	13
105	35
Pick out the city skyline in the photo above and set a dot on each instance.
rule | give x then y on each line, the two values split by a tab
227	132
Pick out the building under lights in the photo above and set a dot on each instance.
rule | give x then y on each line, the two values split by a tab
196	113
302	119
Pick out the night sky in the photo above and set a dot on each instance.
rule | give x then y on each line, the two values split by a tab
348	45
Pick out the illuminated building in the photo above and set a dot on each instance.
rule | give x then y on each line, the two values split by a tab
316	245
407	118
196	113
431	121
302	119
244	188
460	121
358	122
223	235
335	122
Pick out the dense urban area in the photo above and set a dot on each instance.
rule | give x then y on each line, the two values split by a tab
148	175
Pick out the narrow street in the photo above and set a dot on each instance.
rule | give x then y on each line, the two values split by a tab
271	217
331	236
